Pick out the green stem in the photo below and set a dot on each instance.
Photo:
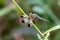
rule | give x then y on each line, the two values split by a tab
37	28
27	16
19	7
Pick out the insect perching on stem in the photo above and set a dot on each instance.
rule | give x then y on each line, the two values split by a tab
26	16
33	17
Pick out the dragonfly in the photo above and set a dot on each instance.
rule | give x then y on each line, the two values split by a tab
31	16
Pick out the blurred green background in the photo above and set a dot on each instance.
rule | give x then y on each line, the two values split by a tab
9	15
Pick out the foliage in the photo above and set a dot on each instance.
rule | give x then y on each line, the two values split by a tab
43	8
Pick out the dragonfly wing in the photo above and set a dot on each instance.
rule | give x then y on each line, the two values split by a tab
42	19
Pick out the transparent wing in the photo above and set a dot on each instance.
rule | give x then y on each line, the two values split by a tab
42	18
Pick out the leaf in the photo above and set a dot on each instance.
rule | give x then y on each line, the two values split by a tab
7	9
38	9
56	36
58	3
33	2
39	37
52	29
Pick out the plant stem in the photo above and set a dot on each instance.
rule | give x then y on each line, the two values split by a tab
27	16
37	28
19	7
